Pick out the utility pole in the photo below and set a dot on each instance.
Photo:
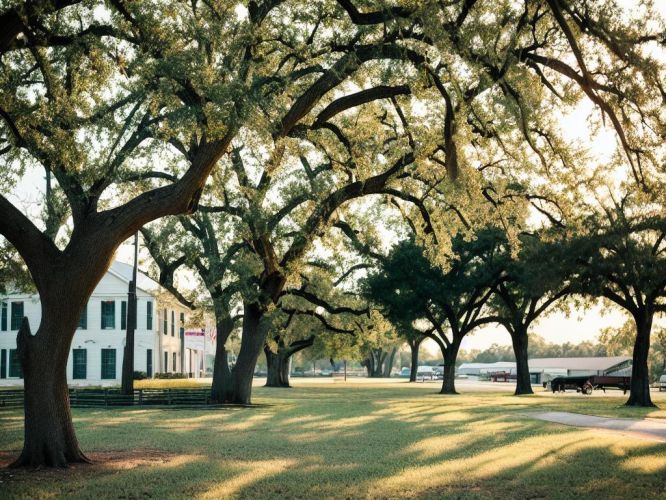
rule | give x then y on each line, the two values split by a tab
127	382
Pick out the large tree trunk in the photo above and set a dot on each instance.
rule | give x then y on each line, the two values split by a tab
369	365
640	381
252	343
388	364
374	362
275	362
414	346
49	434
220	390
450	356
285	369
520	341
65	284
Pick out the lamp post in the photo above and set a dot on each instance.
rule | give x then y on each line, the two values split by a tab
127	381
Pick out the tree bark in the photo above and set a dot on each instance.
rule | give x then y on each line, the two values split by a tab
640	381
414	346
450	356
220	390
520	342
285	368
388	363
49	437
275	364
373	362
252	343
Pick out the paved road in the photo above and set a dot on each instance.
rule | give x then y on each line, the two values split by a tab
644	428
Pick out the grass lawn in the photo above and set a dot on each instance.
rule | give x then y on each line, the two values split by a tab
351	440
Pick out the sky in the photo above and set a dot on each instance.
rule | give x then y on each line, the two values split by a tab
578	326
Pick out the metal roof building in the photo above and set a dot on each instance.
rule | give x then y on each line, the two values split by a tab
545	369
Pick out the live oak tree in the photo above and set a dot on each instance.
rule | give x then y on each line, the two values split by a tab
619	341
494	75
204	245
102	94
620	255
531	283
379	344
298	331
322	304
92	102
444	305
165	87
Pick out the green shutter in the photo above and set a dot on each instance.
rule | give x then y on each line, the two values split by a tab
108	314
165	321
173	324
108	363
79	363
17	315
3	322
149	315
123	315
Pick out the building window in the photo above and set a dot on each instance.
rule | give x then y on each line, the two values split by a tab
83	320
108	363
174	361
149	363
108	314
173	324
79	363
149	315
3	363
17	315
3	321
164	320
123	315
14	364
166	361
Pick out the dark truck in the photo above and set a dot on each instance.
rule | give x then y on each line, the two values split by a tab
587	383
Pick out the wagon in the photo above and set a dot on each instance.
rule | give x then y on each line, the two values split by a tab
587	384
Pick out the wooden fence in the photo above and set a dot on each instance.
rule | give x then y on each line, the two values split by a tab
94	398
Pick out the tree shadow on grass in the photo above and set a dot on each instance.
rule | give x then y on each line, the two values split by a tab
364	442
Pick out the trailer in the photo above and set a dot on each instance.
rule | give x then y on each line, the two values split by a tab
587	384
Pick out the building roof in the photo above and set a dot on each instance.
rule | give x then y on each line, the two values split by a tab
497	364
591	363
143	281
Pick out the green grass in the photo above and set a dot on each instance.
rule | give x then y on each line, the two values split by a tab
352	440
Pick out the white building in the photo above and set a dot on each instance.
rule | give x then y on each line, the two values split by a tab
96	355
546	369
486	368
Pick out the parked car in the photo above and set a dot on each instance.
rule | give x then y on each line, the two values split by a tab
404	371
424	372
662	383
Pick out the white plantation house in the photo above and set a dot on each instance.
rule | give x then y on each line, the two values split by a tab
97	348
